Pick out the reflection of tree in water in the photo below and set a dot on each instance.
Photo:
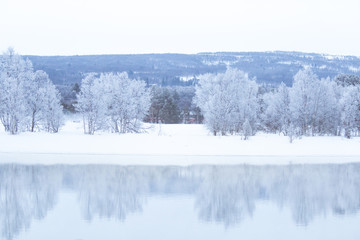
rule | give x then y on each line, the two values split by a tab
115	191
314	191
26	193
225	194
228	194
111	191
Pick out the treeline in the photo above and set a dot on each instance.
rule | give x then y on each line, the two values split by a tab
232	103
228	103
170	104
117	103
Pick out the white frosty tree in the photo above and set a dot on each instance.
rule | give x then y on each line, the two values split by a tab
313	104
301	95
246	129
22	95
350	114
91	103
51	110
12	104
127	101
12	90
277	116
227	100
35	97
112	101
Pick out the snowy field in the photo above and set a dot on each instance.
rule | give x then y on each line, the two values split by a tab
171	145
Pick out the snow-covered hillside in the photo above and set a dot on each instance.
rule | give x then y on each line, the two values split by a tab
171	144
173	69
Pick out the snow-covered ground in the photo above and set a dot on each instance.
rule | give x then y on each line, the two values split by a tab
171	144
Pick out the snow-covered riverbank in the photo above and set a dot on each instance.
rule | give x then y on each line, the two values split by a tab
172	144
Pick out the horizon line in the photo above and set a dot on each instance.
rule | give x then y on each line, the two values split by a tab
198	53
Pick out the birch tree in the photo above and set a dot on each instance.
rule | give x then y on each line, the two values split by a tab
127	101
15	74
227	101
27	97
112	101
91	103
51	110
277	114
350	114
313	104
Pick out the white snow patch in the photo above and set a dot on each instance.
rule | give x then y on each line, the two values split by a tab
332	57
285	62
354	69
171	144
187	78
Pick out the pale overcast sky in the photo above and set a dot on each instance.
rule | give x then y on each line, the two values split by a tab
77	27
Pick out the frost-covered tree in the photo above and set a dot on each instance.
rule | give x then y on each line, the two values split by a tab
15	77
127	101
24	95
52	110
326	116
12	104
350	114
112	101
277	116
301	95
43	101
227	100
35	97
313	104
348	94
246	129
91	103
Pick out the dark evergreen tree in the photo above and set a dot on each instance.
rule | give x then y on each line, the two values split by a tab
164	107
156	105
169	112
346	80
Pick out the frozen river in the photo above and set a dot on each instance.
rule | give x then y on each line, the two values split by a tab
290	201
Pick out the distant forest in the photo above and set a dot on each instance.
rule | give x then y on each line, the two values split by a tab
183	69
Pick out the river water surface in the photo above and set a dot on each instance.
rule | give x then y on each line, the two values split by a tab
92	202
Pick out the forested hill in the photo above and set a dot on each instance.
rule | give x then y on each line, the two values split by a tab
180	69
